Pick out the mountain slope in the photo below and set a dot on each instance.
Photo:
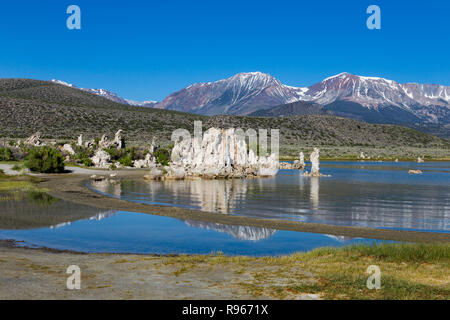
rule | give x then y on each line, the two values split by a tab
108	95
366	98
241	94
291	109
61	112
394	102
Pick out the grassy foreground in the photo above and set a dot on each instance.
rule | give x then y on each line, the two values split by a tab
408	271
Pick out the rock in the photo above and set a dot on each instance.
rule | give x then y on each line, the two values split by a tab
268	166
89	144
415	171
139	164
154	174
221	153
154	146
315	172
302	159
175	173
112	175
101	159
119	141
35	140
361	155
94	176
314	158
103	143
419	160
144	163
286	165
68	148
396	160
297	166
80	140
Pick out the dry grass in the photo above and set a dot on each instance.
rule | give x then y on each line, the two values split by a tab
408	271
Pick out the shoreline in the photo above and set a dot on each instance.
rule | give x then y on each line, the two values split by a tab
410	271
41	272
73	188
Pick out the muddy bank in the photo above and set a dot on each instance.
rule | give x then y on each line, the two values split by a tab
73	188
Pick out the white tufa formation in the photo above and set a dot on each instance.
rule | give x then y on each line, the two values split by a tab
314	158
221	153
80	140
302	159
119	142
144	163
101	159
68	148
35	140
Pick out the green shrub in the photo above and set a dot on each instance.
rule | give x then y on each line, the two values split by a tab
6	154
162	156
87	162
125	157
45	160
126	161
114	153
17	167
82	155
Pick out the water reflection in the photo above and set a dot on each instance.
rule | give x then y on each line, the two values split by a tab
97	217
37	210
238	232
108	186
314	192
370	198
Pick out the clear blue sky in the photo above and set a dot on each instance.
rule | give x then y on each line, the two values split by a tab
149	49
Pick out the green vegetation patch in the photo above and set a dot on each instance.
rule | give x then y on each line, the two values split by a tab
45	160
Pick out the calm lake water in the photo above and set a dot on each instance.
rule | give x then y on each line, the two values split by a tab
381	195
368	194
129	232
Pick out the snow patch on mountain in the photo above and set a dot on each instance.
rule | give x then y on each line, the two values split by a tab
108	95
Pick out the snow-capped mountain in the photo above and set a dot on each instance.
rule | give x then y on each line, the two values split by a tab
367	98
108	95
371	99
243	93
380	100
373	92
148	104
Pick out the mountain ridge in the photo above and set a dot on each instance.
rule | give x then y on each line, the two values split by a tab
372	99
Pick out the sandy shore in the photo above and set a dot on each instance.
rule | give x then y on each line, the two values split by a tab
41	274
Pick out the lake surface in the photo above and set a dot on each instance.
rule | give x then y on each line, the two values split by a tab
368	194
381	195
128	232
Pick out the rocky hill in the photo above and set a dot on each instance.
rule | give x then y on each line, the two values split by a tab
61	112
